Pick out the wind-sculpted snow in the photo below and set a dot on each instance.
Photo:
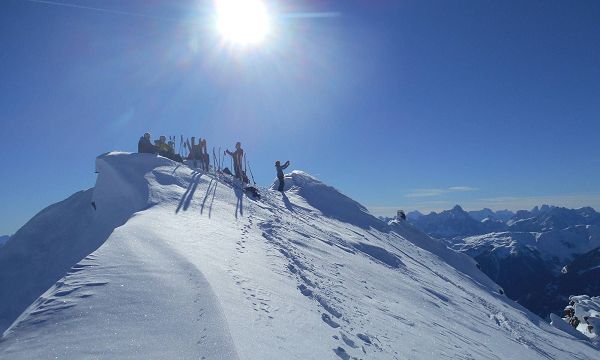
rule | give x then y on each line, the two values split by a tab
200	270
588	310
582	316
43	250
329	201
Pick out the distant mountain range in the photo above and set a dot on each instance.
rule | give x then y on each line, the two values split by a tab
540	256
3	239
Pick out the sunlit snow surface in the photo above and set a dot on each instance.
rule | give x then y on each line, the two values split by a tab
197	269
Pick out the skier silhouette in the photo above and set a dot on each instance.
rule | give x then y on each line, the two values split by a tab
237	156
280	169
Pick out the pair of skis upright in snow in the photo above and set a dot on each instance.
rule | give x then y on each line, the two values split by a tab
218	163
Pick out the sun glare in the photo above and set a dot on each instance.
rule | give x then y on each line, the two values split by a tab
243	22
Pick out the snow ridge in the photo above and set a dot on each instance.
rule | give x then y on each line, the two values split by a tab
182	264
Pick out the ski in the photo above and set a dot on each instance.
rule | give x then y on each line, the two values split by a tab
214	161
251	175
220	160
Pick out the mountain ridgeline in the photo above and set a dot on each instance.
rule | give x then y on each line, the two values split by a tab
164	260
539	256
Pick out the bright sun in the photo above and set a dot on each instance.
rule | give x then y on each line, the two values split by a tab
243	22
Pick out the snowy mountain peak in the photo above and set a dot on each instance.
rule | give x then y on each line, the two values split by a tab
486	213
176	263
414	215
329	201
482	214
457	209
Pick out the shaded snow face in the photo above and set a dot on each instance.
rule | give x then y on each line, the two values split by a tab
58	237
43	250
4	239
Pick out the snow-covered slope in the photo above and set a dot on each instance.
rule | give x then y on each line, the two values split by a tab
179	264
557	246
4	239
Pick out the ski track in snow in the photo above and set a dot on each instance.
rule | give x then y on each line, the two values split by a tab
203	271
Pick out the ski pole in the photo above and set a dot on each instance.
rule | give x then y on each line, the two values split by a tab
252	175
214	161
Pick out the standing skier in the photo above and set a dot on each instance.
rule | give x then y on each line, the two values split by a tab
238	156
280	169
204	155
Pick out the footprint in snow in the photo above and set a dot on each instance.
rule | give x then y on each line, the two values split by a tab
364	338
349	341
329	321
341	353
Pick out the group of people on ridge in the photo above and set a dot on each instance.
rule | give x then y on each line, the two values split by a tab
198	152
160	147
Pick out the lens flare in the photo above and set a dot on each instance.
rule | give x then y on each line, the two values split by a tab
243	22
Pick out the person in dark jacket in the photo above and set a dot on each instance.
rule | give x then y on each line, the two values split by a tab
238	156
145	145
280	169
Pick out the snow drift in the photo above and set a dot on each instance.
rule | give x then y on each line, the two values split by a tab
582	316
175	263
328	200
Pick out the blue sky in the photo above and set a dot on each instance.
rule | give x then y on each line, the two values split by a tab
399	104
